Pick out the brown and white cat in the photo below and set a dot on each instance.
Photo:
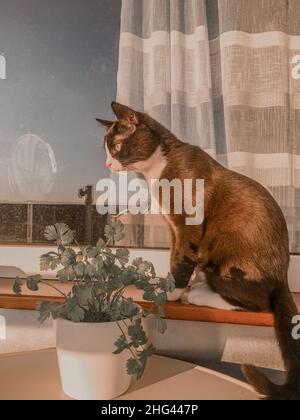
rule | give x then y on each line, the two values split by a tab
241	247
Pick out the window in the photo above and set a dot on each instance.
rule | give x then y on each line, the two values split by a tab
58	71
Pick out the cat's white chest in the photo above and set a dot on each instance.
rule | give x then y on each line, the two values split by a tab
153	176
153	172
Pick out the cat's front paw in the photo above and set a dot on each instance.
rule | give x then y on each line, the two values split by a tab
185	297
176	295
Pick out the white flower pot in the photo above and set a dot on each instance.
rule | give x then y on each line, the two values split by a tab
89	370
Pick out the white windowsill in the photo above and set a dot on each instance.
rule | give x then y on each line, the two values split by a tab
27	259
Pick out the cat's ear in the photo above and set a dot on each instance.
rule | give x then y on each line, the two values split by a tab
123	112
105	123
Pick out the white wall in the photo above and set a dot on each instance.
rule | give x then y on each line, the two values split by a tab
21	331
27	259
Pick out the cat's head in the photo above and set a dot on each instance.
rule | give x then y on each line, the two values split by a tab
129	142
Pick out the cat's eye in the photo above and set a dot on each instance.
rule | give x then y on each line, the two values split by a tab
118	147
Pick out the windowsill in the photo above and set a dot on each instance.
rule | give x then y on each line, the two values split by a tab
173	310
27	258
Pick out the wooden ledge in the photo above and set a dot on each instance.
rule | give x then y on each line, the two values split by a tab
173	311
180	312
24	302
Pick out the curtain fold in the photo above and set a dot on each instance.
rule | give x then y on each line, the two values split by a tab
165	65
218	73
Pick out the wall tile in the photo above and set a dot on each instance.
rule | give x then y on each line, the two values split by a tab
13	223
44	215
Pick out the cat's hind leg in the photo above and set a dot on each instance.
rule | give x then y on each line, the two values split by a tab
201	294
236	289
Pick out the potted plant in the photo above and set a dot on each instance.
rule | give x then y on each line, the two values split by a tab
100	333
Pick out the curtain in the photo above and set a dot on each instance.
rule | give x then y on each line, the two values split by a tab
219	74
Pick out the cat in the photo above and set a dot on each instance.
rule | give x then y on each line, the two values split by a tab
242	246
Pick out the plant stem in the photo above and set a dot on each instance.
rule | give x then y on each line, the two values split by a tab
55	288
118	294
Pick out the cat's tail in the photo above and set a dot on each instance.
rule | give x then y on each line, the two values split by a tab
284	310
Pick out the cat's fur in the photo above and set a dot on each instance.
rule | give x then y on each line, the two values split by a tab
242	246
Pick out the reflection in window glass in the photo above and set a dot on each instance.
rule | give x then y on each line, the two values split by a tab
58	72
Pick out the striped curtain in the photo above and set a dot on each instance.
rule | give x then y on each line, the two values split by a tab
219	74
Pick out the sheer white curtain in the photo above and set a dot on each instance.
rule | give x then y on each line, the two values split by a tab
164	70
164	65
218	74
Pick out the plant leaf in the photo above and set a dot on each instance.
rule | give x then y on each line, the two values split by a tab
73	311
97	263
101	244
161	299
114	232
49	261
135	368
61	233
80	270
121	345
17	287
122	256
32	283
150	296
93	253
66	274
84	295
128	276
171	283
137	334
146	353
129	309
47	310
68	257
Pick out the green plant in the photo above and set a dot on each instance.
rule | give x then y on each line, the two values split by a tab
100	276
